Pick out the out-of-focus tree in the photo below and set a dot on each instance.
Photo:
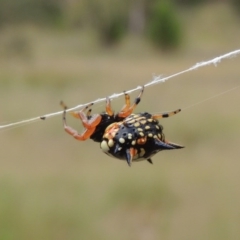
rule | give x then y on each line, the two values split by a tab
109	18
164	26
189	3
236	5
47	12
137	16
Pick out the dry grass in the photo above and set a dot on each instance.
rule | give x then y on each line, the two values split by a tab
53	187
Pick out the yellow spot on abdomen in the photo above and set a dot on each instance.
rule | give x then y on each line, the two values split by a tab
121	140
110	143
104	146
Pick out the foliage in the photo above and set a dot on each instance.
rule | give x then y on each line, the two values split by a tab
236	5
189	3
35	11
109	18
164	26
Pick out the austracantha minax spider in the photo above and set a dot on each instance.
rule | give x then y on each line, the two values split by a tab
125	135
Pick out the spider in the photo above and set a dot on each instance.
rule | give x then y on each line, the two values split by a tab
124	135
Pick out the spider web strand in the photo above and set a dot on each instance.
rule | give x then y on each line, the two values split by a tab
156	80
210	98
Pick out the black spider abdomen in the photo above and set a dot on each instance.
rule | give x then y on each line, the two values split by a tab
138	131
100	129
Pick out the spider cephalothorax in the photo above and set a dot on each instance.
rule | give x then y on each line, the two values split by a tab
127	136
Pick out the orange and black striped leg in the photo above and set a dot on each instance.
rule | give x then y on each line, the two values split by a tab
64	106
128	109
163	144
165	115
77	114
89	124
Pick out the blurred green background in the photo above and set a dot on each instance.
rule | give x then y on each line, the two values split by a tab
54	187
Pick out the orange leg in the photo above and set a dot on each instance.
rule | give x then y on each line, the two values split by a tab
165	115
109	110
128	109
89	124
76	114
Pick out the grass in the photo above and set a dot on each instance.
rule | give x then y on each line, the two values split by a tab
53	187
